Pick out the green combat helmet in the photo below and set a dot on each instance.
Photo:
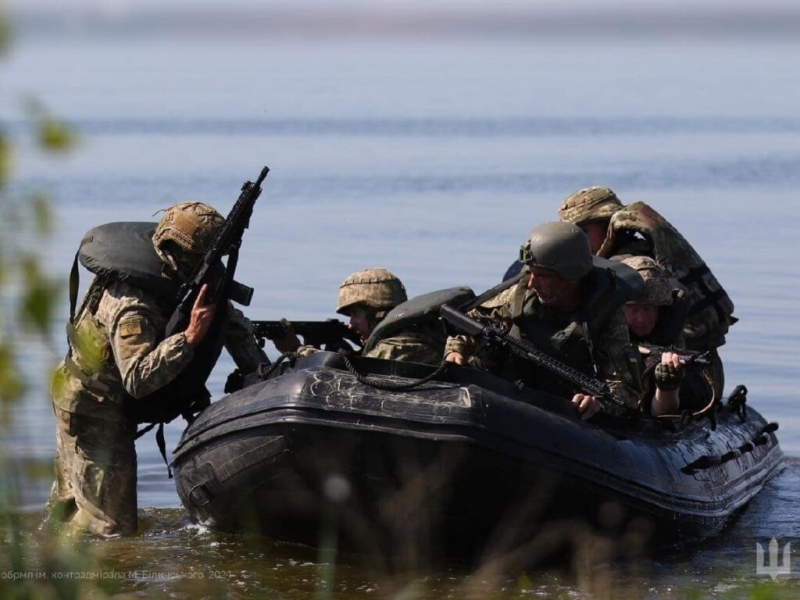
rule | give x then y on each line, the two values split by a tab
658	286
375	288
184	233
560	247
588	204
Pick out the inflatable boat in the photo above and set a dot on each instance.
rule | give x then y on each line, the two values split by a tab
454	461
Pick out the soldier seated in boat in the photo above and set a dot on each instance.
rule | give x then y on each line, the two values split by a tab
617	230
568	306
121	370
590	209
672	377
366	297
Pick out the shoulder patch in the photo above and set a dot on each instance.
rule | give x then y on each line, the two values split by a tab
130	326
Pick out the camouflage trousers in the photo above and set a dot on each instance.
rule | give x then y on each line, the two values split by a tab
95	486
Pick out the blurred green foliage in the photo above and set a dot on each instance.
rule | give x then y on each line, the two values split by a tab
28	293
28	298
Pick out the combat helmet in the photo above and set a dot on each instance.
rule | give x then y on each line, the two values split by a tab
589	203
375	288
184	233
558	246
658	286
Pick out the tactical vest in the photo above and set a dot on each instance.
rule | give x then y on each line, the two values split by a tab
607	287
124	252
711	310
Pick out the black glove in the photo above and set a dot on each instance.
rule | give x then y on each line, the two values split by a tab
669	377
288	341
235	382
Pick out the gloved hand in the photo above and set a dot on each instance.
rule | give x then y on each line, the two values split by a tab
669	376
289	342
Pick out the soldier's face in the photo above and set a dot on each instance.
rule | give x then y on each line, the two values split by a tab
641	318
187	263
359	322
554	289
596	232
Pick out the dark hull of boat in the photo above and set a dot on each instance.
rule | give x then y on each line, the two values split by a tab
463	465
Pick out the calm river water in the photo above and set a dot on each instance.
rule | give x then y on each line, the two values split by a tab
434	160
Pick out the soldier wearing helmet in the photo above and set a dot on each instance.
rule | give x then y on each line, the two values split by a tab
591	209
659	299
366	297
637	229
121	370
184	233
655	320
568	305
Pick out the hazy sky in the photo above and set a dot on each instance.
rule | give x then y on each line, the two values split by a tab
117	6
598	17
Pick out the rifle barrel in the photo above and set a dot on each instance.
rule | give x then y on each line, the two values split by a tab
585	383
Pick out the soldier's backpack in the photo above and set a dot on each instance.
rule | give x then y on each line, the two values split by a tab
711	309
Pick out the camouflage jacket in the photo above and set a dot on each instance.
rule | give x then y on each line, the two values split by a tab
122	354
711	309
614	356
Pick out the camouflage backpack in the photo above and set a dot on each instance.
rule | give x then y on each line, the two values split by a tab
711	310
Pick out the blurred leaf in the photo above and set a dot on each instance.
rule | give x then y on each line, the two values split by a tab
5	158
55	136
58	382
5	34
51	134
42	214
38	301
90	346
37	306
11	384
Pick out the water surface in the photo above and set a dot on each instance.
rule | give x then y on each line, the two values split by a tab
433	160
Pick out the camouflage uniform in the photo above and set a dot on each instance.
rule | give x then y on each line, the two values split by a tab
121	357
412	346
379	291
613	354
637	229
696	389
588	204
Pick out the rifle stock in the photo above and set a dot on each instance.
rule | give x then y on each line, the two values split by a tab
586	384
329	334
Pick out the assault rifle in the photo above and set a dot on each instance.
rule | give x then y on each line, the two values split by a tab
227	240
585	383
331	333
